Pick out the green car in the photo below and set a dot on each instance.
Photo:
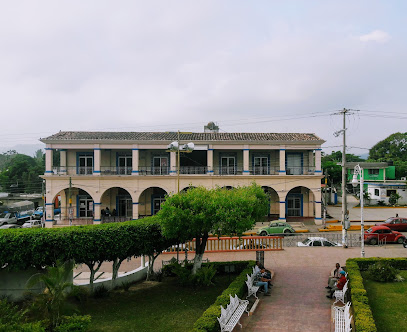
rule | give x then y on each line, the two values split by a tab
276	227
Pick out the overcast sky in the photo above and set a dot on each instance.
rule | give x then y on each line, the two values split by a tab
250	66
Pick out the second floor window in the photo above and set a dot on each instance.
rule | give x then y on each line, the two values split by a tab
160	165
373	171
124	165
228	165
85	164
261	165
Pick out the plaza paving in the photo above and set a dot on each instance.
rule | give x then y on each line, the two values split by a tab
297	301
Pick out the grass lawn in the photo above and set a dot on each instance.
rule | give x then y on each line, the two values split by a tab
388	303
164	307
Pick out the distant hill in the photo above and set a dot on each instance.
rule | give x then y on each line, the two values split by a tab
364	156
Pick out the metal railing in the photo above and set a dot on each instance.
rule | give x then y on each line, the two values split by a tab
116	170
264	170
109	219
154	170
228	170
193	169
292	240
232	244
304	170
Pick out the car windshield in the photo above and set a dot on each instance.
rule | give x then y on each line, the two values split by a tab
389	220
306	241
4	215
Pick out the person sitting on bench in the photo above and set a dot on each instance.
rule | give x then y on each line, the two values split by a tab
339	285
334	277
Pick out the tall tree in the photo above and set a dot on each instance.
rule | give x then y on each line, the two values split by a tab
393	148
199	212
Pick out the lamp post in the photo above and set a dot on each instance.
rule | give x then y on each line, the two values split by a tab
359	171
175	147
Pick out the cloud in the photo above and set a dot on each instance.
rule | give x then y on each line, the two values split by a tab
378	36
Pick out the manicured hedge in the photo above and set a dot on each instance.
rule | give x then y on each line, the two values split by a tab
37	247
208	321
363	316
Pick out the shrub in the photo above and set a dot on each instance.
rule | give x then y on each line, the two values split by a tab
184	274
382	271
80	294
100	291
13	319
157	275
204	276
74	323
381	203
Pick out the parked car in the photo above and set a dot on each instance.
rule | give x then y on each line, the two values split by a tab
8	218
382	233
39	212
276	227
317	242
395	224
8	226
32	224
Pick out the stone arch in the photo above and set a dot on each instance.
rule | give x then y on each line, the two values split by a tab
81	204
150	199
300	202
274	199
187	188
116	202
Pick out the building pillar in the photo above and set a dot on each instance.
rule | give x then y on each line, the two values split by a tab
318	169
97	216
246	162
173	163
318	207
209	157
135	210
311	162
96	161
282	210
282	170
49	215
63	162
48	161
135	161
143	261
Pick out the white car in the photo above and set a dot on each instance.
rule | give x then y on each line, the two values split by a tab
32	224
8	226
318	242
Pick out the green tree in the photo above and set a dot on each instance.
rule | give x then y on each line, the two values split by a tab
393	147
21	174
51	304
199	212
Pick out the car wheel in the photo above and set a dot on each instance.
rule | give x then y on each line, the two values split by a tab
264	233
373	241
400	240
287	232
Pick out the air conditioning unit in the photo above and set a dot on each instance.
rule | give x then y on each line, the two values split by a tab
403	178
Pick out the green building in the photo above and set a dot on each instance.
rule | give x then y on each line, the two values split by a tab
372	172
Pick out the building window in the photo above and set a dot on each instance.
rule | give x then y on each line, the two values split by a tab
389	192
373	171
85	163
377	192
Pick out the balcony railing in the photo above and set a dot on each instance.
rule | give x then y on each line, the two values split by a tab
304	170
264	170
228	170
184	170
193	170
154	170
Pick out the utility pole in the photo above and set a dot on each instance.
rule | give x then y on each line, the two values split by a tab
345	214
344	201
325	200
43	203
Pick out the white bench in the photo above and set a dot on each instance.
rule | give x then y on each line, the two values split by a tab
340	294
231	315
251	289
342	318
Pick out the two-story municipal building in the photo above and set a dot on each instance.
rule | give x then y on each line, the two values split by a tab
126	175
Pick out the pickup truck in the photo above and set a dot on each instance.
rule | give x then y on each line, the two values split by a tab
8	218
39	212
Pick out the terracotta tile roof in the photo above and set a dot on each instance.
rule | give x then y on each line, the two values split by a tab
172	136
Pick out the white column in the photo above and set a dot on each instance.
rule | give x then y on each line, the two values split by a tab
62	161
173	163
135	161
318	207
318	169
97	213
143	261
246	163
96	161
49	214
48	160
282	162
209	156
135	210
282	210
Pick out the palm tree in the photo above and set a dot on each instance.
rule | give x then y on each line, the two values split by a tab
52	302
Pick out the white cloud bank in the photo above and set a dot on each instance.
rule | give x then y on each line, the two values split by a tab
378	36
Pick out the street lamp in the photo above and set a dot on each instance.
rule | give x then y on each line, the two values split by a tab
359	171
175	147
